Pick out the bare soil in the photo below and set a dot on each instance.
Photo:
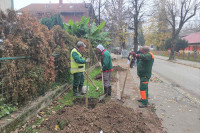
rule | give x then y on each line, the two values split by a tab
113	79
99	78
108	117
118	68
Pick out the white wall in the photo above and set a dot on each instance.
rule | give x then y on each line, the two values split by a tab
5	4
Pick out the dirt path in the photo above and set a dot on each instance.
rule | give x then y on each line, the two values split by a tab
179	114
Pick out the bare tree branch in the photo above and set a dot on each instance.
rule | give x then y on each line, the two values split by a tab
182	12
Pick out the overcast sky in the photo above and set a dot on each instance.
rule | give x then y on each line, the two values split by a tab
18	4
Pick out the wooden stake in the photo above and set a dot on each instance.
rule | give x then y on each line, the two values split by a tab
86	99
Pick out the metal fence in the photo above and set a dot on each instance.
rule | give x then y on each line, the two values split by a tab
192	56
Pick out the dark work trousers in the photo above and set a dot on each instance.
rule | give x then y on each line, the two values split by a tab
144	89
78	79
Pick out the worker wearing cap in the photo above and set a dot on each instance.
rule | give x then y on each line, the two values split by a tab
144	70
78	67
107	68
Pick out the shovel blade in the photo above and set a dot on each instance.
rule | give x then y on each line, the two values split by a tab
102	97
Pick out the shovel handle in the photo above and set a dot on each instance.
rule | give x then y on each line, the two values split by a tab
97	88
125	82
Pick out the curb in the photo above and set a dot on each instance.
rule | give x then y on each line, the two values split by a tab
179	90
180	63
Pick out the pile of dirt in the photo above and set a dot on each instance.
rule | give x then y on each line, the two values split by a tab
92	102
118	68
99	77
108	117
113	79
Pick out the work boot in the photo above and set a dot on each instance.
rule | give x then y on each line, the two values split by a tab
105	90
109	91
142	106
74	90
140	100
80	90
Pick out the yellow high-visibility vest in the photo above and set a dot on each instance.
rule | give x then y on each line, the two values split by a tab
75	67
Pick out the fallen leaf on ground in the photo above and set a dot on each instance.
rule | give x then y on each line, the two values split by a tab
56	127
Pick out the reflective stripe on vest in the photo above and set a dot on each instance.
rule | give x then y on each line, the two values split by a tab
151	55
75	67
78	70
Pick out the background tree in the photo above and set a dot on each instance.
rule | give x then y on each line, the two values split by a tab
136	13
180	44
158	29
178	13
115	15
54	20
141	38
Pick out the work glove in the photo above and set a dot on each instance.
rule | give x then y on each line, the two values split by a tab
87	60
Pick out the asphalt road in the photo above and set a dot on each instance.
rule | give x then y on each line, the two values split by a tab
188	78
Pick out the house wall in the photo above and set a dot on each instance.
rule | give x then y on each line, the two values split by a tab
73	16
6	4
193	48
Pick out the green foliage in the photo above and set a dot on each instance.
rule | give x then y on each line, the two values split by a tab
180	44
6	109
92	90
52	21
62	124
25	36
47	22
93	33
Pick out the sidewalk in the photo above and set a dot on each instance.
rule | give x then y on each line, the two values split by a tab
179	61
132	94
178	113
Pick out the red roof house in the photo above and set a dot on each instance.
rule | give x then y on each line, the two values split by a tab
194	41
68	11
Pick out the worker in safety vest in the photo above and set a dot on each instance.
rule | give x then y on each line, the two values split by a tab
107	68
78	67
144	70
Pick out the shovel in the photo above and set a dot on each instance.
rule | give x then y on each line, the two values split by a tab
125	78
97	88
